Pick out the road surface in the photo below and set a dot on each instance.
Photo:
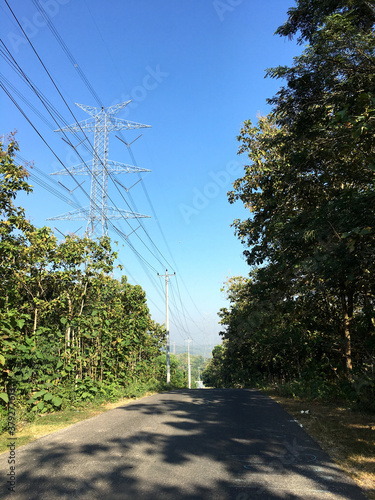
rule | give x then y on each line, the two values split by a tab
202	444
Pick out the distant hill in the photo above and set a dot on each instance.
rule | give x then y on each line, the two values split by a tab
195	350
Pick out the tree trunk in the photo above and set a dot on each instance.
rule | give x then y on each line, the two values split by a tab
67	333
101	364
67	338
347	302
35	322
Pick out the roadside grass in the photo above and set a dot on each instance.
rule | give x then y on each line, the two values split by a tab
51	422
348	436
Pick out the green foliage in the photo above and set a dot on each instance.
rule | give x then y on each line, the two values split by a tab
178	375
197	365
70	333
215	373
308	15
305	315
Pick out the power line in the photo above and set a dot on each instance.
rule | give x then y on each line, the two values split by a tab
39	59
44	101
26	101
87	83
49	147
151	206
144	262
102	122
33	126
67	51
89	86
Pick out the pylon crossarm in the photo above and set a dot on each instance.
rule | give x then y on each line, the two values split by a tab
113	167
113	110
121	168
80	214
91	110
80	169
88	125
118	213
120	124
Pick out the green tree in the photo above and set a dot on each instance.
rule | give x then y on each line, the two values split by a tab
309	15
69	331
310	189
178	375
215	373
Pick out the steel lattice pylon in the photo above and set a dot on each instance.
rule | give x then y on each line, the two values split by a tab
103	122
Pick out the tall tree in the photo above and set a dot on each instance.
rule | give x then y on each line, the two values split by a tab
310	180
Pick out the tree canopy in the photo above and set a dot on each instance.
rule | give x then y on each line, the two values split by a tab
307	309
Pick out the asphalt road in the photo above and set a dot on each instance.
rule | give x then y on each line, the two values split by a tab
202	444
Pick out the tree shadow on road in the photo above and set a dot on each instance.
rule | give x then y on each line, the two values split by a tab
198	444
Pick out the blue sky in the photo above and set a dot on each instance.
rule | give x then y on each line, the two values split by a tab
194	70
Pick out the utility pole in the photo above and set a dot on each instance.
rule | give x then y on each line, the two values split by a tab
189	369
167	276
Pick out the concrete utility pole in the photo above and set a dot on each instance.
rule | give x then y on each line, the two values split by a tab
189	369
166	276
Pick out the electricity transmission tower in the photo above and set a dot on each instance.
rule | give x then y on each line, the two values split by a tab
102	122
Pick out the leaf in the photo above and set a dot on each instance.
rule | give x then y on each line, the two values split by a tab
56	400
4	397
26	374
39	393
2	359
48	396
